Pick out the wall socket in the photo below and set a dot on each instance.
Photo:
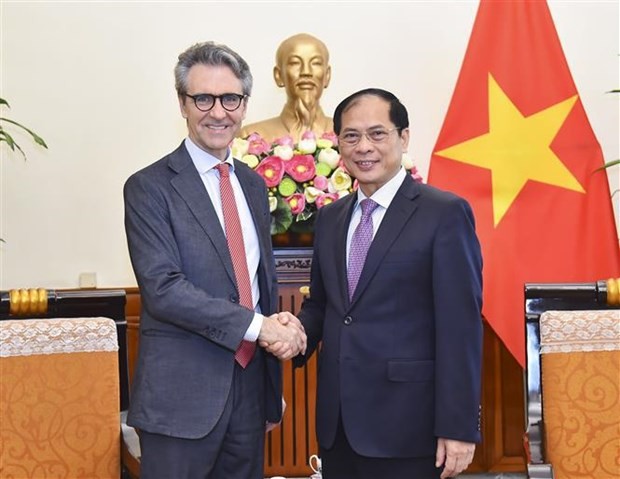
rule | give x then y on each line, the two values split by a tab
88	280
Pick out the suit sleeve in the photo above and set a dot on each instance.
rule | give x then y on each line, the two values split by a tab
457	290
312	312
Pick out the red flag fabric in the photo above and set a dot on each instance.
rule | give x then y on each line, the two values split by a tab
517	144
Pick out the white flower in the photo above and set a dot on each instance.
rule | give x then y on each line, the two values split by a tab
273	204
330	157
239	147
407	161
307	146
311	193
250	160
283	151
340	180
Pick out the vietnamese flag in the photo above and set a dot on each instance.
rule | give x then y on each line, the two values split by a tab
516	143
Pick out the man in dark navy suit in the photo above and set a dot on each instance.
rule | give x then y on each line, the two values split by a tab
395	298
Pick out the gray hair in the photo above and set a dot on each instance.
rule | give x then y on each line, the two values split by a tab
211	53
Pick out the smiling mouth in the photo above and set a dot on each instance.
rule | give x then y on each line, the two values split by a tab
365	164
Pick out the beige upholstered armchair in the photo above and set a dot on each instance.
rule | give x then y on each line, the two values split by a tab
573	380
60	398
63	385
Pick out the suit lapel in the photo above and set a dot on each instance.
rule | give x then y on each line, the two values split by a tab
403	206
190	187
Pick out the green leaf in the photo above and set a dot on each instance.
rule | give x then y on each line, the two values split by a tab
4	136
4	102
35	137
281	218
607	165
304	215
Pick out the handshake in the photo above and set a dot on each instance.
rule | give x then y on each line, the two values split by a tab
282	335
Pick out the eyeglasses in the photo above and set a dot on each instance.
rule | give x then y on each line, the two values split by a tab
206	101
376	135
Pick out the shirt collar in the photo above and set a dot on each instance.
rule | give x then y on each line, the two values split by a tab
204	161
384	195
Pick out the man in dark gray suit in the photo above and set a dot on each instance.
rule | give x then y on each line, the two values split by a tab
197	226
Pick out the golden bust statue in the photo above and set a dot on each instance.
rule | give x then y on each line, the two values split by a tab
302	68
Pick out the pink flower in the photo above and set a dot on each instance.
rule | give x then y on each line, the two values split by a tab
308	135
326	199
331	136
321	182
257	145
415	174
285	141
301	168
297	202
272	170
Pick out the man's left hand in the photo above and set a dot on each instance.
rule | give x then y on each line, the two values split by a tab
454	455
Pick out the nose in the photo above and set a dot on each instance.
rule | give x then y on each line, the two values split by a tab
306	69
364	144
218	110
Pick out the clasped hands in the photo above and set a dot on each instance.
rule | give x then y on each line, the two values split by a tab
283	335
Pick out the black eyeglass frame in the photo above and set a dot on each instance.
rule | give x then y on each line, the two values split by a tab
238	96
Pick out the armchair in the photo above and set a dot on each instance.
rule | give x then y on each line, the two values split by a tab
572	380
66	316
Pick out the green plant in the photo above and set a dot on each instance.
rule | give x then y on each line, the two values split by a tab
6	137
613	162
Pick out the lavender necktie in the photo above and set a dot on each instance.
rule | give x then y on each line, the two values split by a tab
362	237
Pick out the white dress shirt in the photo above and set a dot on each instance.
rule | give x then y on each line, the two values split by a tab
383	197
206	166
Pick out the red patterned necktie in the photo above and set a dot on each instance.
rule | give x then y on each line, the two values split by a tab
234	237
362	237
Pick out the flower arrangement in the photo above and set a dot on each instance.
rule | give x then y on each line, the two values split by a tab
301	178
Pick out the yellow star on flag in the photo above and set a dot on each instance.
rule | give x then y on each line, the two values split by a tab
517	149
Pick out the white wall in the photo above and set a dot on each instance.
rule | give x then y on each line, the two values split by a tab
95	80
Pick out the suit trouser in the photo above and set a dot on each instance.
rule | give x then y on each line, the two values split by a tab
342	462
233	449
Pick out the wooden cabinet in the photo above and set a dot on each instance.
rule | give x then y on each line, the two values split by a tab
288	447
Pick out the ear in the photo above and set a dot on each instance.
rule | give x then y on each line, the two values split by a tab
182	106
277	76
328	76
404	139
244	106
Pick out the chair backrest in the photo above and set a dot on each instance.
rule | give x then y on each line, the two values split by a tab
579	307
49	303
580	373
59	399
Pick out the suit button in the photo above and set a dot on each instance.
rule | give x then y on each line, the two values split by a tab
348	320
233	298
